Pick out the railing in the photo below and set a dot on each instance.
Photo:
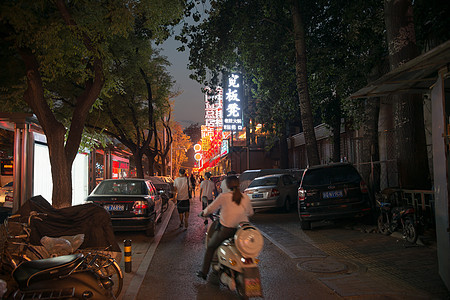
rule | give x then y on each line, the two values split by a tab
421	200
423	203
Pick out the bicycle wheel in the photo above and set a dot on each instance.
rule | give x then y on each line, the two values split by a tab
107	266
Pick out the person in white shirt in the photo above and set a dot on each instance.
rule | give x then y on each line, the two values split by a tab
235	208
181	185
207	188
223	184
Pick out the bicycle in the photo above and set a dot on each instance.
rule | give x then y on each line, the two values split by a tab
17	249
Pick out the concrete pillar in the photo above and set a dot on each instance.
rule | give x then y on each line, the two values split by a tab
23	163
441	143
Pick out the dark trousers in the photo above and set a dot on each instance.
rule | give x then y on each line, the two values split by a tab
205	202
219	235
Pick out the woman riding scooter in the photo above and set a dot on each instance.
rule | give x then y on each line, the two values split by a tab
235	207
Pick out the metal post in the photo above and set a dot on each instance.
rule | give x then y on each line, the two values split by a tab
127	255
248	157
17	168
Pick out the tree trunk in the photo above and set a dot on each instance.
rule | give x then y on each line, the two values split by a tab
302	86
409	125
61	153
336	124
137	155
370	151
337	141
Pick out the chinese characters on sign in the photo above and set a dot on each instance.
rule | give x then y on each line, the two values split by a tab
213	109
232	109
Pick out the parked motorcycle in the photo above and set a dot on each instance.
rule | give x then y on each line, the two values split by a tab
235	261
397	218
62	277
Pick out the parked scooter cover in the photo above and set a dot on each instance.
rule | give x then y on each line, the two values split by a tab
89	219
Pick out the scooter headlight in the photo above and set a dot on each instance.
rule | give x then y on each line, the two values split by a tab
249	241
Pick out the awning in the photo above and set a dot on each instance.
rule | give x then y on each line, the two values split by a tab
415	76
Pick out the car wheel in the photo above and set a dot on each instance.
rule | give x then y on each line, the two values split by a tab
150	231
305	225
287	205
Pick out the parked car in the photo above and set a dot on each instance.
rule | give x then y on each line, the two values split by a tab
6	195
162	185
247	176
134	204
273	191
330	192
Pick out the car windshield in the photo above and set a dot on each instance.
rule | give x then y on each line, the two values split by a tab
269	181
123	187
333	175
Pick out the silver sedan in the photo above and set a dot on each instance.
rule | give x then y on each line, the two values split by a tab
273	191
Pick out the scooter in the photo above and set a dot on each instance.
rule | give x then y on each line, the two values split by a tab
62	277
397	218
235	261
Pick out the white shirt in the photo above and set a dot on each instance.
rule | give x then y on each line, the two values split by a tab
181	184
207	189
224	187
231	214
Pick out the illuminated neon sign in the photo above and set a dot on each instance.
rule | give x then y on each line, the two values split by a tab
213	109
232	108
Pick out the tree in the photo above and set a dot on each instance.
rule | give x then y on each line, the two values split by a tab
302	84
232	39
62	49
181	143
130	113
345	42
409	132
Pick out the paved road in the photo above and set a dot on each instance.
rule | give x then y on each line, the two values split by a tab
331	262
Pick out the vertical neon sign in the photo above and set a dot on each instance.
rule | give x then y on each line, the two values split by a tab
232	109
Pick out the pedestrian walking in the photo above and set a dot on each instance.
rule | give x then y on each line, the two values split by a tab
223	184
183	196
207	188
193	183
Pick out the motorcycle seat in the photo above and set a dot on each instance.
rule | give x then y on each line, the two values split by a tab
44	269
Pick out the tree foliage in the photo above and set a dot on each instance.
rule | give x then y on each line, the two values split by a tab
60	56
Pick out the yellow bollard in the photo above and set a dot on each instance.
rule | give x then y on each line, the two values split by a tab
127	255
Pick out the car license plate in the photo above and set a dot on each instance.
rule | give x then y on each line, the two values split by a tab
114	207
332	194
255	196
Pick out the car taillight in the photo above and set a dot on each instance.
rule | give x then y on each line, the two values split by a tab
274	193
139	207
363	187
301	195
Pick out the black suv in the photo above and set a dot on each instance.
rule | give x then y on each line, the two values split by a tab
331	191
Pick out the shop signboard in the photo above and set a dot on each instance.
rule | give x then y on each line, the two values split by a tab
232	107
213	108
